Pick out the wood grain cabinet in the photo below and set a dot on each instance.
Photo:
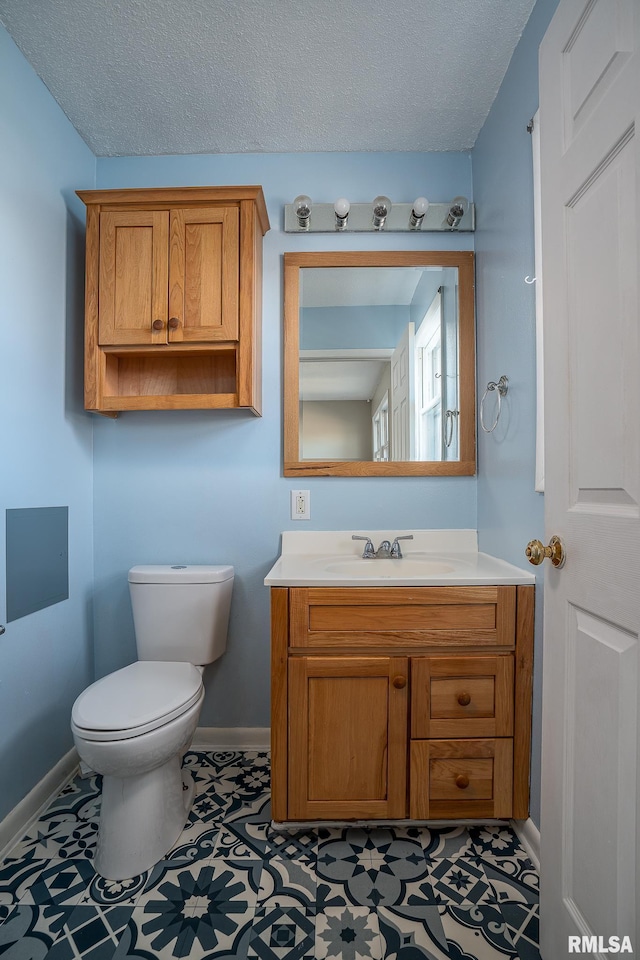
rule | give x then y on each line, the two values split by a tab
401	702
173	298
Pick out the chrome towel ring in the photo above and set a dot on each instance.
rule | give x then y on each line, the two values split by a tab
502	388
450	416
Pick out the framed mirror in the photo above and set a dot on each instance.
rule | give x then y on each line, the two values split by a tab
379	364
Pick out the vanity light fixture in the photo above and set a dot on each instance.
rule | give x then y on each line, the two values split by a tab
457	210
302	206
344	216
341	208
418	210
381	209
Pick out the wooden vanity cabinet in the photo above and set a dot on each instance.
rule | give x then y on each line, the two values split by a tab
399	702
173	298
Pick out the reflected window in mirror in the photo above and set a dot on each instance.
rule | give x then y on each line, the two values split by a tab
379	364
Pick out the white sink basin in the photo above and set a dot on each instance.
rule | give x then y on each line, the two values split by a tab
329	558
372	569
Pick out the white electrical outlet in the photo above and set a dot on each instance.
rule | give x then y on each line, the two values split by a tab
300	505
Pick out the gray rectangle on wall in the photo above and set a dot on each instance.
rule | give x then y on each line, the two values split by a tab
37	559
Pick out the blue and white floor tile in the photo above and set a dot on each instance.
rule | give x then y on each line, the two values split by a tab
286	933
232	886
348	933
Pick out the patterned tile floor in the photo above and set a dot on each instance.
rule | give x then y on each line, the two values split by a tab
233	887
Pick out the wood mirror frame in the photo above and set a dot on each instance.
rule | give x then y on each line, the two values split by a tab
466	464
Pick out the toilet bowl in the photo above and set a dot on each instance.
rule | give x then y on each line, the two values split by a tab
134	725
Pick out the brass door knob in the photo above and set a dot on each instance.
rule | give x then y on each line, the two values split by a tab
536	552
462	781
464	699
174	323
157	324
399	682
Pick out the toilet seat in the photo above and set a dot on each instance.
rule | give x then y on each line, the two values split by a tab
136	699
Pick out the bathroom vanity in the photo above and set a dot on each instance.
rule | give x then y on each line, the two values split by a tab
400	688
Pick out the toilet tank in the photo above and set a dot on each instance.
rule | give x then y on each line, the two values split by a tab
181	612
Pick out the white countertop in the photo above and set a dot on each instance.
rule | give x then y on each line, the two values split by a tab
432	558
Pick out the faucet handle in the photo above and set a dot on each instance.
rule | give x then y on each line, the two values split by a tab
369	550
396	552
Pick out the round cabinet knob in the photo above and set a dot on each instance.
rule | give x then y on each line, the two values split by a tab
464	699
536	552
462	781
174	323
157	324
399	682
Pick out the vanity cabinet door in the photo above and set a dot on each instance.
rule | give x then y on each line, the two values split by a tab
347	737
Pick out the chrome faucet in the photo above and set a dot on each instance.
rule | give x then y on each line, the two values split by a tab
369	552
396	552
386	550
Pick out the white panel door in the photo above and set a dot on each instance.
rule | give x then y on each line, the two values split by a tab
403	429
590	166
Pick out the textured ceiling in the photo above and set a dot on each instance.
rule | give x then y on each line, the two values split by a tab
144	77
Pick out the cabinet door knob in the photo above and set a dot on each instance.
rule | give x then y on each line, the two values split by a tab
174	323
464	699
462	781
399	682
157	324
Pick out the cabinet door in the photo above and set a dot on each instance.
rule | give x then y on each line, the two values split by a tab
134	274
204	274
347	737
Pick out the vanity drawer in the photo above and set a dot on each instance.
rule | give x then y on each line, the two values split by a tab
461	778
353	617
462	697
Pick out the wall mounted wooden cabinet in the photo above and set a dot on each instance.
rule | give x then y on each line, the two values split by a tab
173	298
401	702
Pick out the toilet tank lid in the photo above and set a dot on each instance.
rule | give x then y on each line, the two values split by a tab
180	573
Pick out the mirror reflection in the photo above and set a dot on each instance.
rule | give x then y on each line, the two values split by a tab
379	364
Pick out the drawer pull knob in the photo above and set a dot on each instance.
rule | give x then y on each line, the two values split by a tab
462	781
399	682
464	699
174	323
157	324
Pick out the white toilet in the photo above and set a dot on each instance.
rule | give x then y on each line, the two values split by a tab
133	726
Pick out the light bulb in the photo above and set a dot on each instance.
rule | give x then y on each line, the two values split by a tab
457	210
420	207
341	208
302	207
381	208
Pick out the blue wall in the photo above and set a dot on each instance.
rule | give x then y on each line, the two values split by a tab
510	513
207	486
46	658
349	328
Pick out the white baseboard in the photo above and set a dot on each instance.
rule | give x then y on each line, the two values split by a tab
16	823
529	837
232	738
